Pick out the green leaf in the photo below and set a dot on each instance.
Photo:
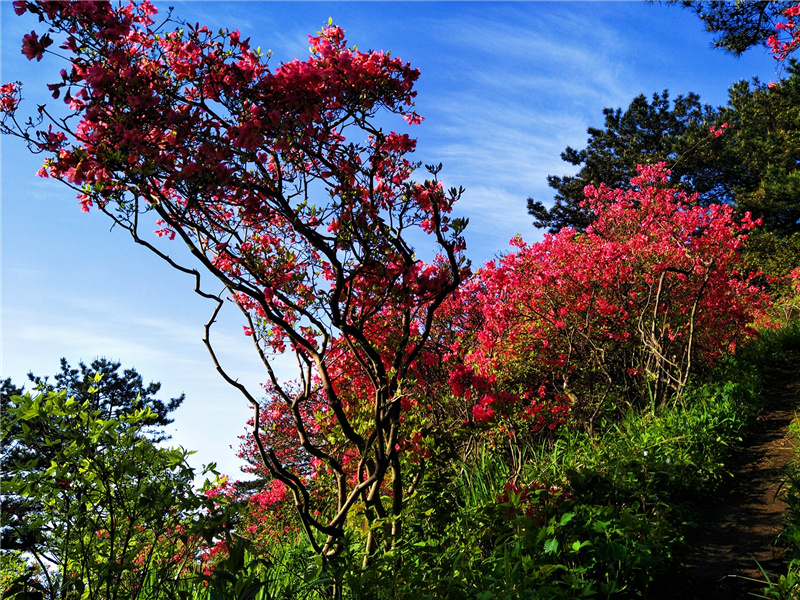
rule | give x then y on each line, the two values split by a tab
314	570
577	545
551	546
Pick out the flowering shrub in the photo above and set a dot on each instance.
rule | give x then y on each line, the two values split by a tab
650	293
258	518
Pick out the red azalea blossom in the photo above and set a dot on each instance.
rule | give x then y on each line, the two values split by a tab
9	97
787	38
33	47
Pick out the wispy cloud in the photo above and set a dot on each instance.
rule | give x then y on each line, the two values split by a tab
268	27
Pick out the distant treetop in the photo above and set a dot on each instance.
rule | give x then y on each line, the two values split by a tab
738	26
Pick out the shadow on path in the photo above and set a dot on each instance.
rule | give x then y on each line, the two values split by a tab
740	528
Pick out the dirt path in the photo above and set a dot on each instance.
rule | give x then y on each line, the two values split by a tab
741	527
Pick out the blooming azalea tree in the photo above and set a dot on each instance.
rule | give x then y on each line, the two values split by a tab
287	193
649	294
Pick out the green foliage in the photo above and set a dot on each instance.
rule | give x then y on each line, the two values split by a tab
110	504
772	347
573	516
765	146
775	256
738	26
577	516
645	134
19	578
115	394
112	393
787	587
238	576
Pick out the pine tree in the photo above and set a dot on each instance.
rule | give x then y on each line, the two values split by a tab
646	133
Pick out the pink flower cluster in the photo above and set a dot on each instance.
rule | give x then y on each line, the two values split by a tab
651	291
787	40
717	131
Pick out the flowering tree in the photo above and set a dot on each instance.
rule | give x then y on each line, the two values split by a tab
285	191
648	294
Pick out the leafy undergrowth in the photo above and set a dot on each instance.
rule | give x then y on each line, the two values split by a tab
582	516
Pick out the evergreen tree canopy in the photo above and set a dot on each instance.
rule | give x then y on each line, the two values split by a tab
116	395
750	158
745	154
738	26
765	147
647	132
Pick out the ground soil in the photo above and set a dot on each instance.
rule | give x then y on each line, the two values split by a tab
738	531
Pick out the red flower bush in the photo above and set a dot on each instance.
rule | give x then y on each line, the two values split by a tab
650	293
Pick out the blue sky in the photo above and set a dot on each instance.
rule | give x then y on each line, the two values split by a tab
505	87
